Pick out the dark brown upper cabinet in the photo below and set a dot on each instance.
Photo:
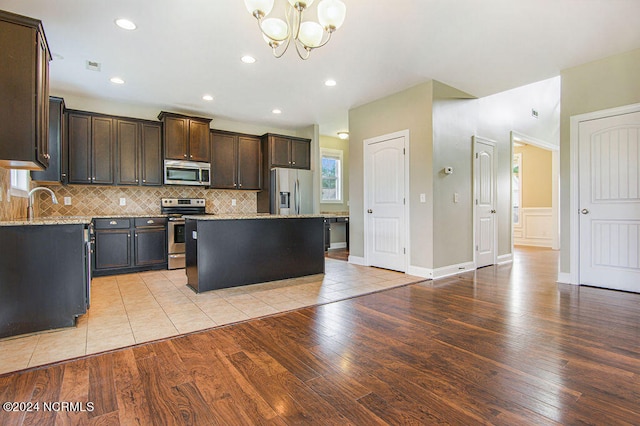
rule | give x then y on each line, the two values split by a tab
185	138
91	142
139	148
24	84
57	170
236	161
287	151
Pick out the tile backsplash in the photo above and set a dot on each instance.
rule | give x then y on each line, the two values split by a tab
90	200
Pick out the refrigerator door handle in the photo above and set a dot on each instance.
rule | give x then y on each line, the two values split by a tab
296	196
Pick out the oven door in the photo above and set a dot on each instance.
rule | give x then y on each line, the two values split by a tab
176	243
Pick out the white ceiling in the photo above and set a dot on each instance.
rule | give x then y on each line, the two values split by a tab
183	49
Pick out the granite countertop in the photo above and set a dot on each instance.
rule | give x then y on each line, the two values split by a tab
335	214
53	220
72	220
250	216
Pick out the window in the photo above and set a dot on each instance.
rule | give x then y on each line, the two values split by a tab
331	175
19	183
516	187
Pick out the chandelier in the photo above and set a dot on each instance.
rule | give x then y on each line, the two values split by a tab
307	35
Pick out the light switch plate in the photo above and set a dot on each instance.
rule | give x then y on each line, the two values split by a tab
233	201
123	201
423	198
456	197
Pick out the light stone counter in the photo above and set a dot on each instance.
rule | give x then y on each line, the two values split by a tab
250	216
72	220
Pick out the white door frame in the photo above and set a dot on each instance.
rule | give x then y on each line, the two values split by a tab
574	202
365	168
555	183
493	143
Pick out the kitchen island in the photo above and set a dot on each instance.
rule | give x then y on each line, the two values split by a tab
233	250
44	274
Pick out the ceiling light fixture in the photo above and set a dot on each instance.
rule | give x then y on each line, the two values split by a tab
207	97
343	135
125	24
307	35
116	80
248	59
330	83
276	111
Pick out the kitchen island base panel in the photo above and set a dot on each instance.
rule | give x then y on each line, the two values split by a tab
230	253
43	273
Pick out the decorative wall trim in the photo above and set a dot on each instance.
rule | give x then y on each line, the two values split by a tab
446	271
357	260
505	258
536	227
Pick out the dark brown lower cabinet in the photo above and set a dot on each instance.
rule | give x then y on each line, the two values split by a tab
129	245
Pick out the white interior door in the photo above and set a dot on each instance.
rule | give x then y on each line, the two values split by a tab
485	201
609	202
385	203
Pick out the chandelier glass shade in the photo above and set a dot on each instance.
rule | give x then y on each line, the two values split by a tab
306	35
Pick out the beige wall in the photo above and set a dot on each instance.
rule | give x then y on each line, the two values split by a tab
603	84
409	109
535	175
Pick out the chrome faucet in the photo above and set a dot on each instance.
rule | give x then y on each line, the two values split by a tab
54	200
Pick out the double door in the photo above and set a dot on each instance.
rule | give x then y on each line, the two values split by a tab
235	161
288	152
126	244
185	138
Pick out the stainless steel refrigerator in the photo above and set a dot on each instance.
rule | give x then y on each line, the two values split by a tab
291	191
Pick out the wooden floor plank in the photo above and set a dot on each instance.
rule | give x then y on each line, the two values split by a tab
502	345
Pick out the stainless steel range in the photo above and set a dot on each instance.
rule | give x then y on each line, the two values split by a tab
176	208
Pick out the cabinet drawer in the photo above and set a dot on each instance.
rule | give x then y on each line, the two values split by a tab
342	219
330	220
150	221
112	223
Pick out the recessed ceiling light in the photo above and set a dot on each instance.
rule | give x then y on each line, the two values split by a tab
248	59
330	83
116	80
125	24
276	111
343	135
207	97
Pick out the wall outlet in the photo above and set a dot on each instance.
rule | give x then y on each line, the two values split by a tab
67	201
423	198
123	201
456	197
233	201
0	195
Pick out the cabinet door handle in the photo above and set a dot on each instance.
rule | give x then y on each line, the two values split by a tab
294	162
128	235
144	180
150	221
113	222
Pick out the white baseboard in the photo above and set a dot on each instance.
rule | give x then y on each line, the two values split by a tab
419	271
357	260
565	278
446	271
505	258
334	246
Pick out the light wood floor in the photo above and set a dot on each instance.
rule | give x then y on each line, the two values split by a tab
501	345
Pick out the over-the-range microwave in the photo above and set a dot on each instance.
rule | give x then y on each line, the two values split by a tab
178	172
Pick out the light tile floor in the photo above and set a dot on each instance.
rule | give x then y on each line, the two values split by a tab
136	308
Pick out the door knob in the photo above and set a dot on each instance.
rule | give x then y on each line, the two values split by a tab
493	211
369	211
584	211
